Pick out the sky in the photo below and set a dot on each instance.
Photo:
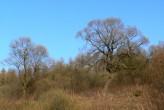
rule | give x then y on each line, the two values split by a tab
54	23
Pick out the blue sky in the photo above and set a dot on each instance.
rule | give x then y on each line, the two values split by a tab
54	23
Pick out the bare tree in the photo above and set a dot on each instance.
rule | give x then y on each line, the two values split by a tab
28	58
111	42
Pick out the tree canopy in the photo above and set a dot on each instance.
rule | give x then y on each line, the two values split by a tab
28	58
110	41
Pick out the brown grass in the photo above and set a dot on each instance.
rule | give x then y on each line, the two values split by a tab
118	98
121	99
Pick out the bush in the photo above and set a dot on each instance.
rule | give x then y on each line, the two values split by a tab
41	86
76	80
156	72
137	93
135	74
83	80
11	91
156	80
130	77
57	100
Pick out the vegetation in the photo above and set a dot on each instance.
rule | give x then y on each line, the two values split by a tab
135	81
111	42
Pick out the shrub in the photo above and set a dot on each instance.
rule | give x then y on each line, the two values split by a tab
11	91
57	100
156	80
129	77
41	86
137	93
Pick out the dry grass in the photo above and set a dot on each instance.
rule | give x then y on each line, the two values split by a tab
118	98
50	100
121	99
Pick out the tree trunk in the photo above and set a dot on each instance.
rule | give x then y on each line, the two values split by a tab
24	92
105	89
24	89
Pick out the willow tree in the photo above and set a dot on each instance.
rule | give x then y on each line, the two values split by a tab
28	58
110	43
